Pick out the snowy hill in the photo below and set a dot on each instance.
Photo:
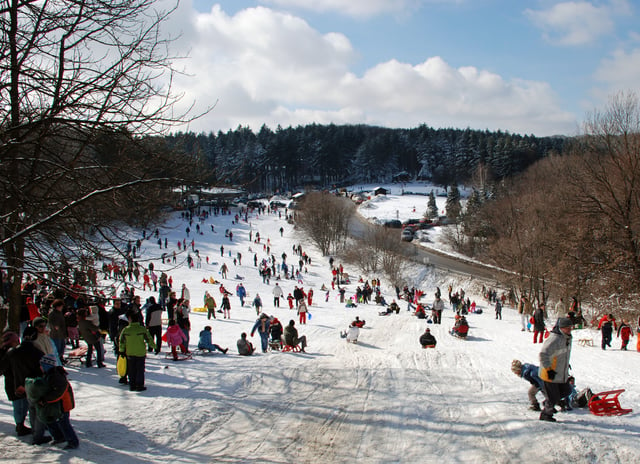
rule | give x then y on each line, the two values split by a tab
384	399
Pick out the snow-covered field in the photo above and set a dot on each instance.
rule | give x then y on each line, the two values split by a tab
383	400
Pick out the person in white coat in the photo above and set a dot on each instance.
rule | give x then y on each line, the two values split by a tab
277	294
351	334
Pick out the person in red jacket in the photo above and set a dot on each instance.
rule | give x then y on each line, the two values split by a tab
624	333
606	326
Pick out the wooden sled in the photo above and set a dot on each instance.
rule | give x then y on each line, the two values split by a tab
76	355
607	404
275	345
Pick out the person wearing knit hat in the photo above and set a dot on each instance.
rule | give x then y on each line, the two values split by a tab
53	398
427	340
48	361
554	366
529	372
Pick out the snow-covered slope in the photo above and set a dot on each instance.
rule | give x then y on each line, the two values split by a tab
383	400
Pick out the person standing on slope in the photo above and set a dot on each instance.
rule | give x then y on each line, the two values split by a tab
554	367
436	310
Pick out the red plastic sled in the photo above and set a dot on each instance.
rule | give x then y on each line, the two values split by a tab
295	349
607	404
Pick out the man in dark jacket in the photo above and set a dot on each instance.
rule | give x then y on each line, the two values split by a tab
116	323
25	362
291	336
20	405
91	334
153	322
58	327
427	340
607	325
245	347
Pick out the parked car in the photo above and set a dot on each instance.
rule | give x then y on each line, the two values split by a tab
393	224
410	222
406	235
421	236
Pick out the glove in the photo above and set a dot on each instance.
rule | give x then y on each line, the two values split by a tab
551	374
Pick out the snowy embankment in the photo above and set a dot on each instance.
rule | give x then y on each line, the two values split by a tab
384	399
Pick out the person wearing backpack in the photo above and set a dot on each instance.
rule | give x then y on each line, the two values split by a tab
53	396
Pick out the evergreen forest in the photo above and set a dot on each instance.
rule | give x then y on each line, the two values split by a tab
326	156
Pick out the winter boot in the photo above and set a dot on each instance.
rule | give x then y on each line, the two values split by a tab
23	430
535	407
546	417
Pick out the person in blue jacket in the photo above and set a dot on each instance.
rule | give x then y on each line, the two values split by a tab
242	293
262	326
529	372
205	343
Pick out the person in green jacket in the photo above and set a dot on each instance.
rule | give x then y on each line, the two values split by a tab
133	343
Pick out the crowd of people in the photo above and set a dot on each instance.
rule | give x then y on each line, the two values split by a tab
53	321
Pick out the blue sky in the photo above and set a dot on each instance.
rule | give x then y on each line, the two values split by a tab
527	67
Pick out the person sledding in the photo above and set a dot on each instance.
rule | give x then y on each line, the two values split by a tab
575	399
461	327
427	340
205	342
351	334
393	307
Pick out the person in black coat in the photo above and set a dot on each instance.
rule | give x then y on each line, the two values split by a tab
427	340
538	324
116	323
20	405
153	322
275	330
24	361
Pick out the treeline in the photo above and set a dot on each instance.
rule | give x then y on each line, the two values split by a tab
331	155
569	225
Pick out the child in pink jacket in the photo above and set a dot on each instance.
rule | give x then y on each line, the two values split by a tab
175	337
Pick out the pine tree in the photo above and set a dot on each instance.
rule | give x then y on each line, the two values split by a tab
453	207
432	207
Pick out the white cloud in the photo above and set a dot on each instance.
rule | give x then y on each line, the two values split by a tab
577	23
356	8
266	67
619	72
